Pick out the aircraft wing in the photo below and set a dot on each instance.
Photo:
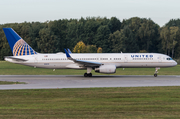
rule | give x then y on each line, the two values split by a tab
83	62
87	63
17	59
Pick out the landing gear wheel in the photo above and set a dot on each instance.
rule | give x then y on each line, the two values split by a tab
90	74
85	74
155	75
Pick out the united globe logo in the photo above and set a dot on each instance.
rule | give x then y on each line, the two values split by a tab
22	48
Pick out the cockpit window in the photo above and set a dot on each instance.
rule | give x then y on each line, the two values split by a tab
169	59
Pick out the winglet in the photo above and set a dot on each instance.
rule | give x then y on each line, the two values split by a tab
69	51
67	54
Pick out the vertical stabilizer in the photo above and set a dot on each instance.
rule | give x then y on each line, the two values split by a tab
17	44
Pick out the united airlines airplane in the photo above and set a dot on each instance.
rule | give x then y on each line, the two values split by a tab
100	62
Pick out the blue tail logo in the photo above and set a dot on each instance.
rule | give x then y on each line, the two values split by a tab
17	44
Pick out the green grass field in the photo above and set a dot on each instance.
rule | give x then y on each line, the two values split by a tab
7	68
134	103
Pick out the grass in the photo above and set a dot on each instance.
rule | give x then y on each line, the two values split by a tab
7	68
7	82
135	103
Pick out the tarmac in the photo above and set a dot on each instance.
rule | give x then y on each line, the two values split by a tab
74	81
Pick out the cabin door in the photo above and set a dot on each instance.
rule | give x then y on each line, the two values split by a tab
35	59
125	58
159	59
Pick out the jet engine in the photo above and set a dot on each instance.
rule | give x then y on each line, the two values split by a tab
106	69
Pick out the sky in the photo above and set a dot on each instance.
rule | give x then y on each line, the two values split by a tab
160	11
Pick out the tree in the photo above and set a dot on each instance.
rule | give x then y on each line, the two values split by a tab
114	24
59	29
47	42
173	22
118	41
91	49
173	38
130	43
169	37
80	47
101	38
142	51
34	34
164	35
144	32
90	30
99	50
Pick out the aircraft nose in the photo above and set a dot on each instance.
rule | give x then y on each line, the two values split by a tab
175	63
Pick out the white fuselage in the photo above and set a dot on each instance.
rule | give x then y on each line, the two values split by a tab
124	60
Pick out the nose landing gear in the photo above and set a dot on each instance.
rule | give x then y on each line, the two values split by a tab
156	71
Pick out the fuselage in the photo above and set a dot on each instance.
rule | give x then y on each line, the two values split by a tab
120	60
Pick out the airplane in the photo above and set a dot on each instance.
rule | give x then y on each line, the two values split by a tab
100	62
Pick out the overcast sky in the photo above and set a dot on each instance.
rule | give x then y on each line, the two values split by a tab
160	11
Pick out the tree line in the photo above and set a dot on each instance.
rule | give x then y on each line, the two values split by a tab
98	35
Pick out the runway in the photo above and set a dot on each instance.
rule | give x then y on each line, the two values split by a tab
72	81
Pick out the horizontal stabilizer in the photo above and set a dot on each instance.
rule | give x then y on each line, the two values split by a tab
13	58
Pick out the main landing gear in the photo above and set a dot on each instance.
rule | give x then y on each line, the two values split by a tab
88	74
156	71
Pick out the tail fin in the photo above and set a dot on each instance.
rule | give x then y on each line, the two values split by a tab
17	44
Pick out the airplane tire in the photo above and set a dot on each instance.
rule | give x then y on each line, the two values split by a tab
155	75
90	75
85	74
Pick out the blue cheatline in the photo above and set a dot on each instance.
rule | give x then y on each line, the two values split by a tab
17	44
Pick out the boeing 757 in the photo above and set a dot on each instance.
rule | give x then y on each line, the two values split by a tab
100	62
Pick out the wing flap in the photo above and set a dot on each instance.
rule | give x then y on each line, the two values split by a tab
87	63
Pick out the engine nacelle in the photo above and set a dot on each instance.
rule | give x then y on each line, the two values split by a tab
107	69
